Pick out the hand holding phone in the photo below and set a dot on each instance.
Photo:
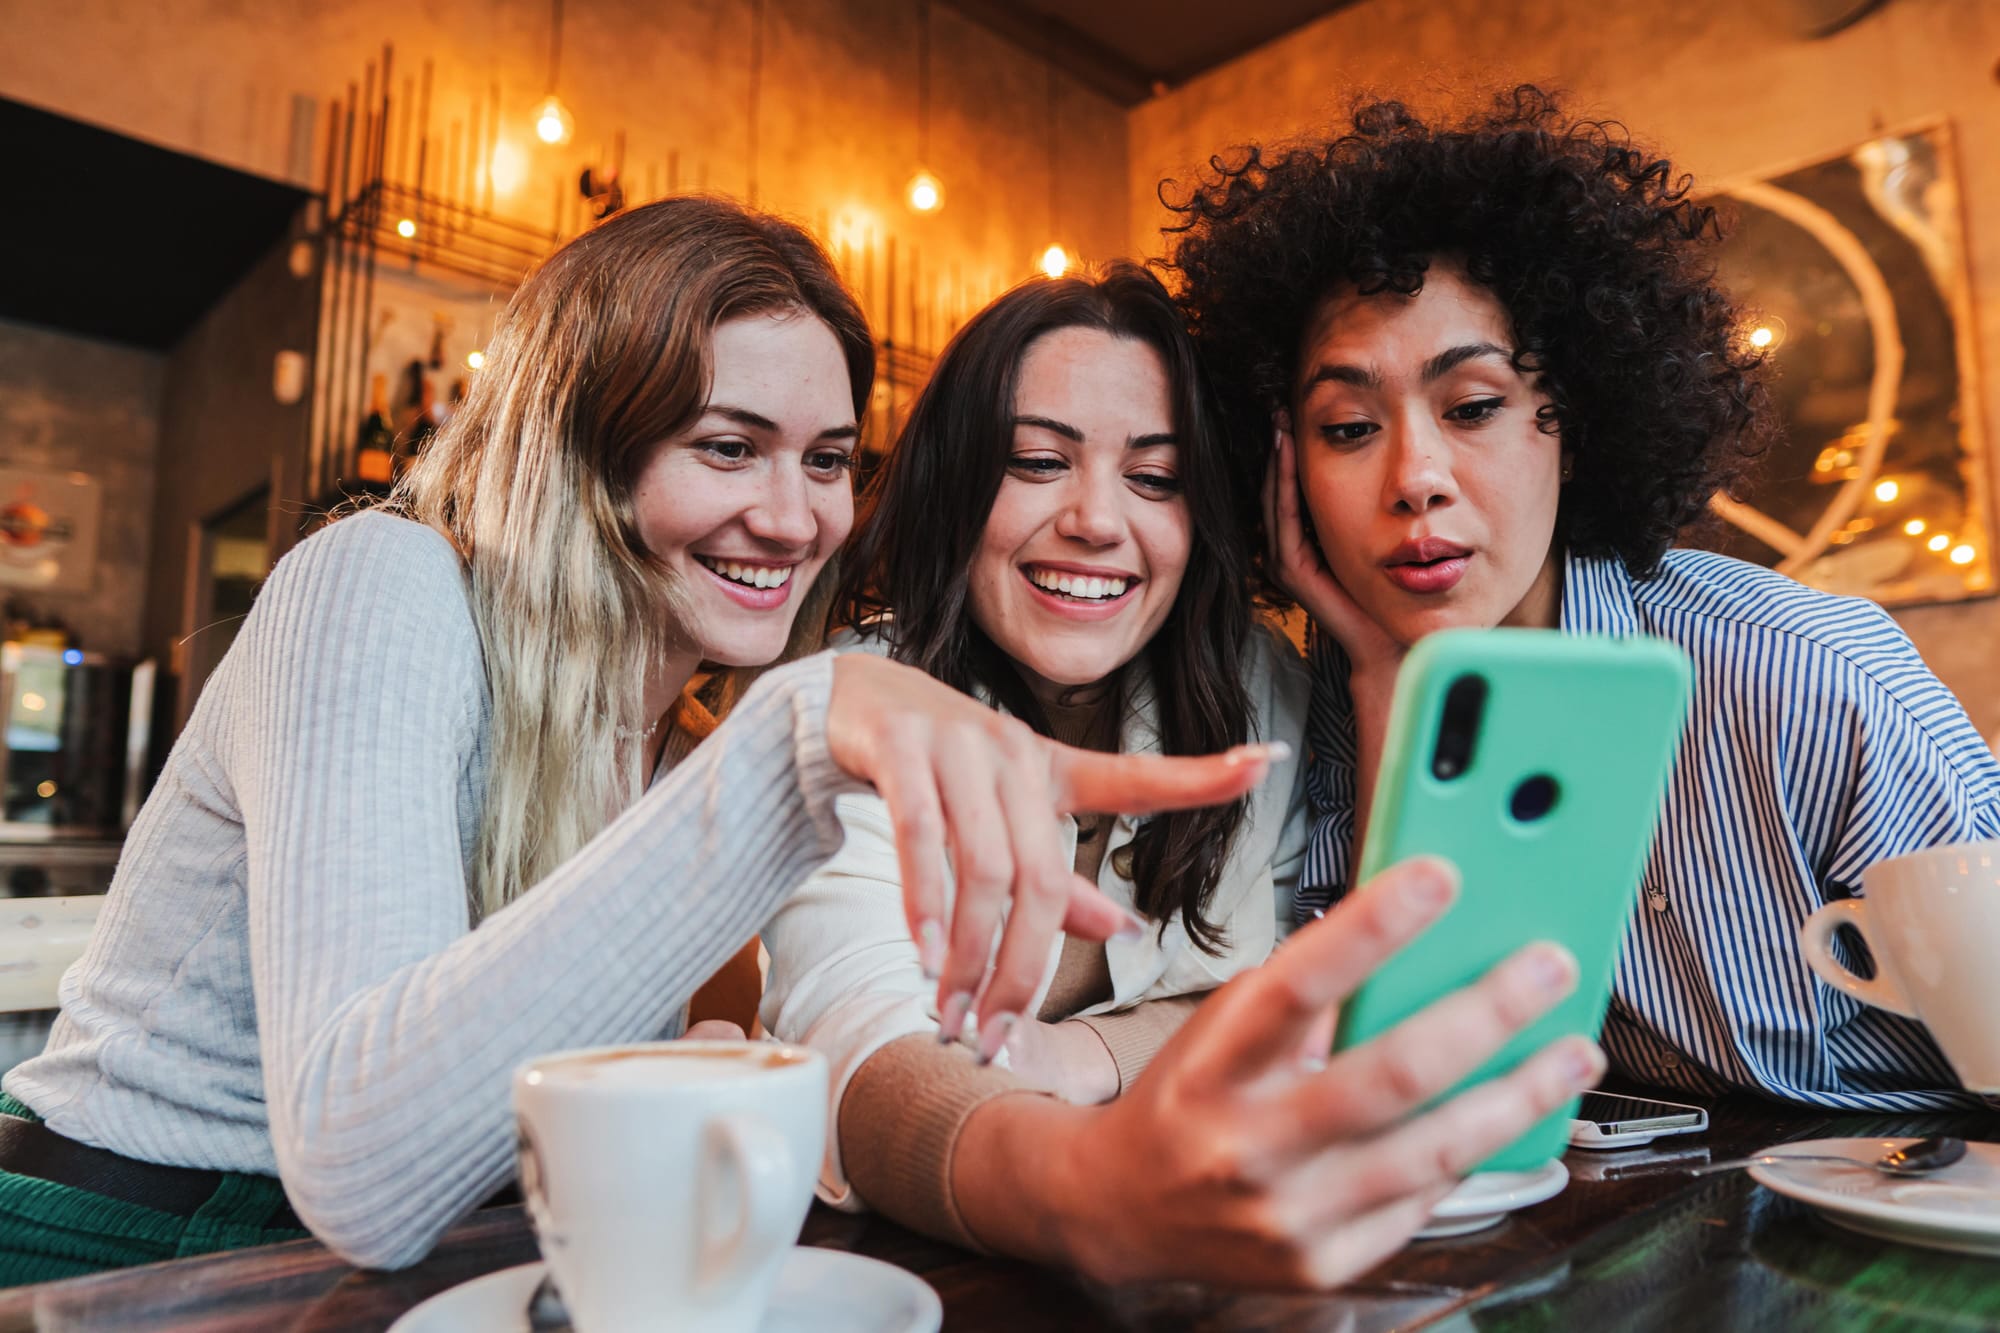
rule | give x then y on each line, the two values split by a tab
1534	761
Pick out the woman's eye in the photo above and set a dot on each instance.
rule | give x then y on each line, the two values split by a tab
1159	483
1036	465
729	451
1476	411
1346	432
830	461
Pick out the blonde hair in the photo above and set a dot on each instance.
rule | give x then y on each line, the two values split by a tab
601	354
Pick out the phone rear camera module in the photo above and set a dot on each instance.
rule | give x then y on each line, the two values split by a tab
1458	732
1534	798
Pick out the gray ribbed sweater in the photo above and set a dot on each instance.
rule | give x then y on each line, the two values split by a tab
284	979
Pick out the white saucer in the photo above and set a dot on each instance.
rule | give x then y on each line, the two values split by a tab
826	1291
1956	1209
1487	1196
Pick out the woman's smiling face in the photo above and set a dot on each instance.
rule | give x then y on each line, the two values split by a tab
1431	484
1082	555
745	506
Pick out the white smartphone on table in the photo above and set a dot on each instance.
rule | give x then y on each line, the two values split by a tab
1607	1120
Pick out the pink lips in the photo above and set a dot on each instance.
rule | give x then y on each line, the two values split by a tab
1427	566
1086	612
756	599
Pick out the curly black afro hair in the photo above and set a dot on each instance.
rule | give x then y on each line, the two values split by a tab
1591	243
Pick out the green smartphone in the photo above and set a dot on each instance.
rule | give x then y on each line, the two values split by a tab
1534	761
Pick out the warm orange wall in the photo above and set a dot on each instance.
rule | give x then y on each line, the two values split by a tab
837	127
1724	86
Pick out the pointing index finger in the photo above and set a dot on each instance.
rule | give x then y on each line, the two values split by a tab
1093	782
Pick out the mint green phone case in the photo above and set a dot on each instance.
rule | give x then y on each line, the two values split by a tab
1599	716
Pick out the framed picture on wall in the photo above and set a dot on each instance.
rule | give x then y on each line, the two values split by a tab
1853	268
48	528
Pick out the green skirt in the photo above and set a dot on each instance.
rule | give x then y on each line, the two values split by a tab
50	1231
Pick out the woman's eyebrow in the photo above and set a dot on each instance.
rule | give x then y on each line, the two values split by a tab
1368	377
1062	428
1453	357
743	416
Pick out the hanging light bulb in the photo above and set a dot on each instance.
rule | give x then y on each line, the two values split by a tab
553	122
925	193
1055	259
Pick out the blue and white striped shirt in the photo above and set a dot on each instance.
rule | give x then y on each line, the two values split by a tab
1818	743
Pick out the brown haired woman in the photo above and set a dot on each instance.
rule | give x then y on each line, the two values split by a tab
459	718
1057	533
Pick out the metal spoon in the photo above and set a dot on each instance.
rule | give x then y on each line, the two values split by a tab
1918	1158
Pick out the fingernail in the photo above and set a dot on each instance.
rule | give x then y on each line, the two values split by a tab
930	949
1275	752
1552	968
1133	929
1319	914
1433	885
1583	1063
951	1020
994	1035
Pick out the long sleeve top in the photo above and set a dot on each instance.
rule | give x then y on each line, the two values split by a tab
1818	743
286	978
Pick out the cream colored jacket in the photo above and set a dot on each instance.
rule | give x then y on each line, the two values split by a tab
844	977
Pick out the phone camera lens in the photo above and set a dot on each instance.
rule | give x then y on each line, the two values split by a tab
1534	798
1458	730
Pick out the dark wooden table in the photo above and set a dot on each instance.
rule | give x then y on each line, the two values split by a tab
1642	1252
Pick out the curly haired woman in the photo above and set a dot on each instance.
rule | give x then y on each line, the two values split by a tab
1491	359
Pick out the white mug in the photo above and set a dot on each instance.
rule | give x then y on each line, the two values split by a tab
667	1181
1932	923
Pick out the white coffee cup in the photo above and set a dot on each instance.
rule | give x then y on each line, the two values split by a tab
1932	923
667	1181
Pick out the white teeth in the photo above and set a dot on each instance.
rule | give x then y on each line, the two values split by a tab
1083	587
754	576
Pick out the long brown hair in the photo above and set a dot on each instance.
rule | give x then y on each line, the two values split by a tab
603	353
909	565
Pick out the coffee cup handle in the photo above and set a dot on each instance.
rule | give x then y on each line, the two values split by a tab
1816	939
756	1163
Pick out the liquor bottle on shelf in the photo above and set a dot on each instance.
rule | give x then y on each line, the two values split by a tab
416	417
454	401
375	449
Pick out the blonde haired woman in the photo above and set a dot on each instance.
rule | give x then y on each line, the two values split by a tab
448	719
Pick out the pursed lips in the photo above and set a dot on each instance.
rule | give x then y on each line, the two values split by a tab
1427	566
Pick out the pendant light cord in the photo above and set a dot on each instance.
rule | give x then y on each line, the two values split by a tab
756	80
555	42
924	82
1049	63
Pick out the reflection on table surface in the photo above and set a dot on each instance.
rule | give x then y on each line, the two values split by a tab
1649	1251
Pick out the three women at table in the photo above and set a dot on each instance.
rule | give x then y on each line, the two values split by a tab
454	714
1494	375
